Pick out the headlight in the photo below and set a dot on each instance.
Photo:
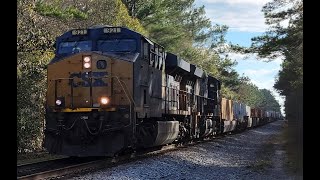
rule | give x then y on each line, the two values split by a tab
86	62
86	65
58	102
104	100
86	59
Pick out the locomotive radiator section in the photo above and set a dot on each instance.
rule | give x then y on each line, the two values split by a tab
189	99
206	91
89	107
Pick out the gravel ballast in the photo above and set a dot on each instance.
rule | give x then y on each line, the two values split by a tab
252	154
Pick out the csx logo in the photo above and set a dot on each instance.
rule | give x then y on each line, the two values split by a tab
97	79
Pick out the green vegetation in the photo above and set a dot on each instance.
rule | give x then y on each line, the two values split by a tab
286	42
254	97
179	26
38	23
54	10
26	158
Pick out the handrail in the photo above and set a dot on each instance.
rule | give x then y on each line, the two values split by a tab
187	92
129	97
187	99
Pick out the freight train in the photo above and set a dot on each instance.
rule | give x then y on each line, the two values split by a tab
111	89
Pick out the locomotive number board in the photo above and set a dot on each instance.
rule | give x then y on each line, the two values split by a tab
79	32
112	30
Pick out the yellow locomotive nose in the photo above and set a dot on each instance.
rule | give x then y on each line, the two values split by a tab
89	80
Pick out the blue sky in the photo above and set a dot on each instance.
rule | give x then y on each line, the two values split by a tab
245	20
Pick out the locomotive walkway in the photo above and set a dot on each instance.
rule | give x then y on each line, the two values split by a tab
254	154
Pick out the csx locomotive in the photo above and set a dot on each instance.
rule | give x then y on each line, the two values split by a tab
111	89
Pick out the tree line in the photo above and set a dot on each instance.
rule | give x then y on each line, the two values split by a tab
286	42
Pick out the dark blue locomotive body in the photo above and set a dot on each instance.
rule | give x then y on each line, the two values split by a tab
111	89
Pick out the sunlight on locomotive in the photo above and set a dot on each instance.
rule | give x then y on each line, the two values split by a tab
104	100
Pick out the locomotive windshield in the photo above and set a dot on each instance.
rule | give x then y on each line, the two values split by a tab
117	45
74	47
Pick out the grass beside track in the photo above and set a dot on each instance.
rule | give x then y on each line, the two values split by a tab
283	142
293	163
26	158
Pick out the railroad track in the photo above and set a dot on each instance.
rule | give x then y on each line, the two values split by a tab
51	168
69	166
66	167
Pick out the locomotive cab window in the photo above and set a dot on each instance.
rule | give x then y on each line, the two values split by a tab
74	47
117	45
